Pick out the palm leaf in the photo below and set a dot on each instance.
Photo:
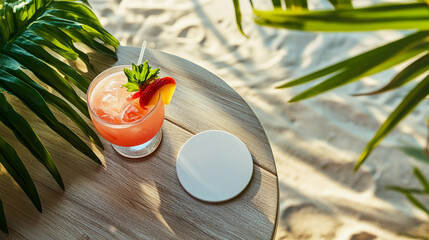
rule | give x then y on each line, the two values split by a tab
36	103
365	64
422	179
23	131
3	223
417	203
27	29
14	166
415	152
409	73
414	97
62	51
13	68
238	16
78	80
47	74
410	197
406	47
372	65
60	40
78	37
387	16
79	9
406	190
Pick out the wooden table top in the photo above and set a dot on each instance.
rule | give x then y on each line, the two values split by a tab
143	199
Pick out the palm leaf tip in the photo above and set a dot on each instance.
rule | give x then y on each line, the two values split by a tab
361	160
298	98
238	19
422	179
366	152
286	85
16	169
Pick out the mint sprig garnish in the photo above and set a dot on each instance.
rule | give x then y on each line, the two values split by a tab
140	76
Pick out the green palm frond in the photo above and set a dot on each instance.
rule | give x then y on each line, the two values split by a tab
417	153
238	16
411	100
407	15
386	16
412	71
27	29
25	134
16	169
408	192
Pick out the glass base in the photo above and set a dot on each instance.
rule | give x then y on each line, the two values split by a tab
140	150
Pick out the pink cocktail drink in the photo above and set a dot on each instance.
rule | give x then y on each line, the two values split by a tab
119	118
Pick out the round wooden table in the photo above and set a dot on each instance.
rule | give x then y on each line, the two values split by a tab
143	199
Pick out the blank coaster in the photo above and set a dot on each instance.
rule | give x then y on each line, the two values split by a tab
214	166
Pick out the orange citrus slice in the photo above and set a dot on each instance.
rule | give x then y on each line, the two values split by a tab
165	86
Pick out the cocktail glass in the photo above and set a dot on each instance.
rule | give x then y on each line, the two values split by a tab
134	132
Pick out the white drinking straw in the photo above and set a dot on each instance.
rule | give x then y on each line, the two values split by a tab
142	53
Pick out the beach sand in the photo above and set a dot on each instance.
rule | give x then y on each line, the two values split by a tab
315	142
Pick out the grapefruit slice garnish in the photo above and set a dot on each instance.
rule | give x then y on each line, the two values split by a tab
149	95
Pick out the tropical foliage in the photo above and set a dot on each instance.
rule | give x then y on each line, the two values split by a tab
413	15
33	34
410	193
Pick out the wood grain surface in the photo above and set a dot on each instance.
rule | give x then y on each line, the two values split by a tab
143	199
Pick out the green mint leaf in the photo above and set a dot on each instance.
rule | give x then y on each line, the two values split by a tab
132	87
145	71
129	75
153	73
139	76
136	71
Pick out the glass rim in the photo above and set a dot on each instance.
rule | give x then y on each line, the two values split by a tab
104	122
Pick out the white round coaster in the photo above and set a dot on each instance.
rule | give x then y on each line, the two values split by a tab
214	166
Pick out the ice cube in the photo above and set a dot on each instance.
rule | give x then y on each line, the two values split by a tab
104	115
113	85
129	98
124	95
109	99
111	103
132	112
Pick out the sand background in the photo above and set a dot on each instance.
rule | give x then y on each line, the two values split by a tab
315	142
